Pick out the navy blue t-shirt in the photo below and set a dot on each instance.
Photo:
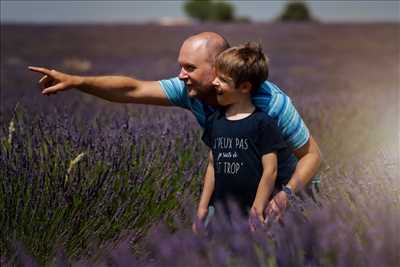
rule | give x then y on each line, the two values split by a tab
237	147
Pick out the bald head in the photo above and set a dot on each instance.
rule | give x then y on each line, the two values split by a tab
210	42
196	58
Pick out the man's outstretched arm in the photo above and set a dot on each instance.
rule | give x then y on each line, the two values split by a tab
112	88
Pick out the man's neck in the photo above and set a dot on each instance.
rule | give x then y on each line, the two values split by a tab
240	109
210	98
212	101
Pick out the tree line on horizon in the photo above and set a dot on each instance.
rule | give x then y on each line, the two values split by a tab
223	11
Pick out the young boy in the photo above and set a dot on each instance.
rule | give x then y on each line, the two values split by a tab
245	143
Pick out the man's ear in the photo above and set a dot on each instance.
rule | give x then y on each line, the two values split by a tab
245	87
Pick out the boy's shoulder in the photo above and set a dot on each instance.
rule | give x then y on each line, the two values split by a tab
259	116
215	114
263	118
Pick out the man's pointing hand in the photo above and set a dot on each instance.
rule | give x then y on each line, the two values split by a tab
54	81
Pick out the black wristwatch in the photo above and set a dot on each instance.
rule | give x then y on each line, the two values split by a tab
288	192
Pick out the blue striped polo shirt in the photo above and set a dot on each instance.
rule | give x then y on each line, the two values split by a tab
269	98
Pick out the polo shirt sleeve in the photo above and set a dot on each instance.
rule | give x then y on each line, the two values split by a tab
291	125
176	92
298	133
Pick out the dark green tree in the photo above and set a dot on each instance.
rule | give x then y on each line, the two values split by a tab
204	10
198	9
296	11
222	11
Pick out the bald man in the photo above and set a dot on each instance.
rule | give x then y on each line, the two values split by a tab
193	90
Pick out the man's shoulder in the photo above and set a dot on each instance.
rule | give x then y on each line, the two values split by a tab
268	88
278	105
269	97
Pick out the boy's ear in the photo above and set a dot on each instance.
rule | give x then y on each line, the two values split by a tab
245	87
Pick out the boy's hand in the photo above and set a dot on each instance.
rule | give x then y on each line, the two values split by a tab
202	213
256	217
199	222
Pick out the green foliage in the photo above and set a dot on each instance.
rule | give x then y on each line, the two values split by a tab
296	11
59	192
205	10
222	11
198	9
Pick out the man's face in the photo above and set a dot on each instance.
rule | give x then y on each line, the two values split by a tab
196	70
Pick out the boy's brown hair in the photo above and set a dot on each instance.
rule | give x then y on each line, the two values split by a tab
244	63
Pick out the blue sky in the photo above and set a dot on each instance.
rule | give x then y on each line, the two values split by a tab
145	11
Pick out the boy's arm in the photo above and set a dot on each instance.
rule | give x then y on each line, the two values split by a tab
266	185
208	188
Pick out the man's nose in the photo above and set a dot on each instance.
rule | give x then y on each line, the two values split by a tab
183	74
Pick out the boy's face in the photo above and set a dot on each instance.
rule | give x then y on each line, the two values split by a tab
227	93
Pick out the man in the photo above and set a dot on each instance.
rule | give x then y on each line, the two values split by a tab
193	90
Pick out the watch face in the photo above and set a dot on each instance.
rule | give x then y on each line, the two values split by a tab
288	191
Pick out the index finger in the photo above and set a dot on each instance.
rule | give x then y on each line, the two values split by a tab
40	70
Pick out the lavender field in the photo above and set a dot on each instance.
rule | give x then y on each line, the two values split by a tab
85	182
